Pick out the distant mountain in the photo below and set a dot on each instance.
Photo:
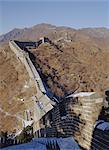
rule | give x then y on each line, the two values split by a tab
55	33
33	33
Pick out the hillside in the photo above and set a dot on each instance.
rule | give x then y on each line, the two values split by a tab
79	66
15	91
80	63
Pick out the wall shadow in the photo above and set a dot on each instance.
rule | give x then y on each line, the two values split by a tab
100	137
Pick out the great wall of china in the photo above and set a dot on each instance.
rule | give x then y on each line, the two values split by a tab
75	116
40	96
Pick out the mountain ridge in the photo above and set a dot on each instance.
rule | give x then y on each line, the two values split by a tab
55	32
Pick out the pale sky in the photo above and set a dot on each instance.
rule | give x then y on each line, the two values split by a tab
75	14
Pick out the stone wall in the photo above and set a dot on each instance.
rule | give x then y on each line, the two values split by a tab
42	103
76	116
82	113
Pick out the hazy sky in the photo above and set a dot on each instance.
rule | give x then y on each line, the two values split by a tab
76	14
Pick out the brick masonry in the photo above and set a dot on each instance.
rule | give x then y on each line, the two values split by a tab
76	117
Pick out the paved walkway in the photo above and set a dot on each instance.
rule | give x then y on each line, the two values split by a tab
27	146
40	144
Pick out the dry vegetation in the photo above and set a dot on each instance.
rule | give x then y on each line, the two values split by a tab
13	77
80	65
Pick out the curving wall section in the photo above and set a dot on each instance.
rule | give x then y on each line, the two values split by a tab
42	103
75	116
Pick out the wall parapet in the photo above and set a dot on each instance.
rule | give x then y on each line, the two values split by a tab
41	99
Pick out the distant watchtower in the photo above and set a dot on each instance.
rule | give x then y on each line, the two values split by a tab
45	39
